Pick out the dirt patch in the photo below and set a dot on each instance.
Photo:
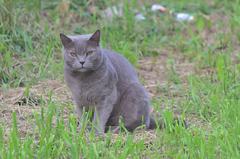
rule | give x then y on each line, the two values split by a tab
156	72
220	27
25	102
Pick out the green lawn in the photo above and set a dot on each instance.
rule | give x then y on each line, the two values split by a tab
191	70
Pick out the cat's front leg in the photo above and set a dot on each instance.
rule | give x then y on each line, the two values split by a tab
79	112
101	116
102	113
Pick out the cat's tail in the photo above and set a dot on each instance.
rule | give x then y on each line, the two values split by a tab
155	124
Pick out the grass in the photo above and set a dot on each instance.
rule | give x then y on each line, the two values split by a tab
198	63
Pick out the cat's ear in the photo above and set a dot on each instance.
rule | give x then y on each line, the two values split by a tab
66	41
95	38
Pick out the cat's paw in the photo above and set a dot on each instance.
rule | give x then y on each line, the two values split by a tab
100	134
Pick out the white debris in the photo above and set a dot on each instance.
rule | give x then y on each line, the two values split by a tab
139	17
184	17
110	12
158	7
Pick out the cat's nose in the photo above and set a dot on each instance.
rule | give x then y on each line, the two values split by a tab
82	62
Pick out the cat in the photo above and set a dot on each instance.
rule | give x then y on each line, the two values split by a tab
104	80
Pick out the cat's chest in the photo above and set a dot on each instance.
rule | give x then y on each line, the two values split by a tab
94	89
90	93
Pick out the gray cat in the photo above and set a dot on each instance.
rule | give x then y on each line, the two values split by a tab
106	81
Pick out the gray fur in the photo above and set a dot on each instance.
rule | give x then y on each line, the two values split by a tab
106	81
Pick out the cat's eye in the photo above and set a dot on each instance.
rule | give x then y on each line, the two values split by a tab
89	53
72	53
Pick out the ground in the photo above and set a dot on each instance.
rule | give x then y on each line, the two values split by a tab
191	70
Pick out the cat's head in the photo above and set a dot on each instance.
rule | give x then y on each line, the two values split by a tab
82	52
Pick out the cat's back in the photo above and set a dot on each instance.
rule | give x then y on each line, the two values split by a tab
126	72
